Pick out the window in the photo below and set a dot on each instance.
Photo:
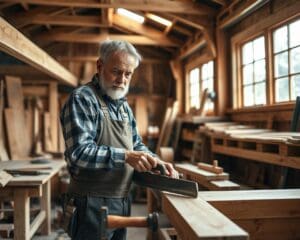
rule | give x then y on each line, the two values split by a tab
286	56
194	88
207	81
254	72
201	78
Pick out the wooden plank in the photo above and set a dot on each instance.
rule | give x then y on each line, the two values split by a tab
267	214
210	168
191	170
3	152
53	110
170	124
16	44
224	185
16	134
273	158
197	219
14	93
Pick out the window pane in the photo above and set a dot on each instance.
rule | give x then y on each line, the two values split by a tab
210	69
247	53
194	89
248	95
282	89
204	73
259	48
195	102
194	75
295	60
295	82
259	71
280	39
281	64
260	93
248	74
294	33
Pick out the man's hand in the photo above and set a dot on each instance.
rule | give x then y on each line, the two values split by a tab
170	170
140	161
143	162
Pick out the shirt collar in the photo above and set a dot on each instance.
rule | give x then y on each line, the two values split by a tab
106	98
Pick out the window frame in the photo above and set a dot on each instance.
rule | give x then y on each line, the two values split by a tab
237	41
188	69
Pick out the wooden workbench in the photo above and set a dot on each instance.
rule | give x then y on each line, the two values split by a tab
263	214
21	188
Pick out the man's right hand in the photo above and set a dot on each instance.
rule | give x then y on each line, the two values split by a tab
140	161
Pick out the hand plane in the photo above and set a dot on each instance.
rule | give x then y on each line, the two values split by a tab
165	183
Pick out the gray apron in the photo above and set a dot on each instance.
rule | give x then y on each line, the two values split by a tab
92	189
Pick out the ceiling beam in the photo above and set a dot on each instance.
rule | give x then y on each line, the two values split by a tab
24	71
191	48
231	15
81	21
96	38
17	45
94	58
175	6
141	29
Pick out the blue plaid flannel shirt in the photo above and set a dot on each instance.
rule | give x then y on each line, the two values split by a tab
80	118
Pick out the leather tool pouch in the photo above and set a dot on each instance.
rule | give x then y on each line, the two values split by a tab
69	215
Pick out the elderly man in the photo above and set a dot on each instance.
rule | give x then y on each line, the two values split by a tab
103	146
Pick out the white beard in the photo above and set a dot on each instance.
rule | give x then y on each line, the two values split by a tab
113	93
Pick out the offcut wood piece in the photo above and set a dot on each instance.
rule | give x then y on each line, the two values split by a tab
264	214
197	219
202	102
211	168
163	127
4	178
3	152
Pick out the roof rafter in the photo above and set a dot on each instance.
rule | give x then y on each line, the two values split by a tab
96	38
150	5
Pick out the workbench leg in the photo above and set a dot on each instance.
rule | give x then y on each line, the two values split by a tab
21	215
46	206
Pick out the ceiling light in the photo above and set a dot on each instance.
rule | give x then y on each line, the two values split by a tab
159	19
140	19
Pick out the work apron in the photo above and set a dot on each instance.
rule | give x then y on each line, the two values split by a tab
92	189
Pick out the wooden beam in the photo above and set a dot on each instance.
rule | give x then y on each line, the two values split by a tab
94	58
81	21
175	6
197	219
189	49
143	30
96	38
16	44
24	71
231	14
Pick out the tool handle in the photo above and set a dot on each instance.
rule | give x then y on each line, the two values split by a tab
114	221
160	168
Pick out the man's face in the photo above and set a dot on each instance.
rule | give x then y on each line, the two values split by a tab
115	74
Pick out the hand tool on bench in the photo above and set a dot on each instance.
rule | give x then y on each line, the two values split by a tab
114	221
163	182
25	172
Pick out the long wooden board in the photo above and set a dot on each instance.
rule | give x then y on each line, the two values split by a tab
16	44
197	219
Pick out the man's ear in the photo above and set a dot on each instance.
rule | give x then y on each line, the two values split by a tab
99	64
